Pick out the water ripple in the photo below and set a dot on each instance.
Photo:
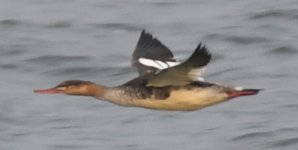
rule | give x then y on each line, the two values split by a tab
283	50
11	51
9	22
56	60
124	26
59	24
238	39
73	71
277	13
67	146
12	23
284	142
252	135
9	66
165	4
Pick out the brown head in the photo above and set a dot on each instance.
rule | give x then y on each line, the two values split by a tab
74	87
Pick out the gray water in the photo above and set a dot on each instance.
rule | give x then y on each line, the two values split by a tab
43	42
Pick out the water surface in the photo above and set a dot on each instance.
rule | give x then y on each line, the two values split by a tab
254	44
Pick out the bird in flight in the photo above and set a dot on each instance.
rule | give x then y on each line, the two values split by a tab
163	83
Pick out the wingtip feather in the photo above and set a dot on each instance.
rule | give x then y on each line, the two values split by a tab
200	57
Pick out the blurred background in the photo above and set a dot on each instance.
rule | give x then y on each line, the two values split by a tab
43	42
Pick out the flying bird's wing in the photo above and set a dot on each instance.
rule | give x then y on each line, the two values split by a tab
184	73
151	55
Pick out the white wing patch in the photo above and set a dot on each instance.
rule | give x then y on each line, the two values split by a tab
163	65
194	74
157	63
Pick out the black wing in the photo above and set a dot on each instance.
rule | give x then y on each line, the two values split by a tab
152	50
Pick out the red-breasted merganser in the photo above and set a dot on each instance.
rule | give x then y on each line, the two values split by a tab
163	83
